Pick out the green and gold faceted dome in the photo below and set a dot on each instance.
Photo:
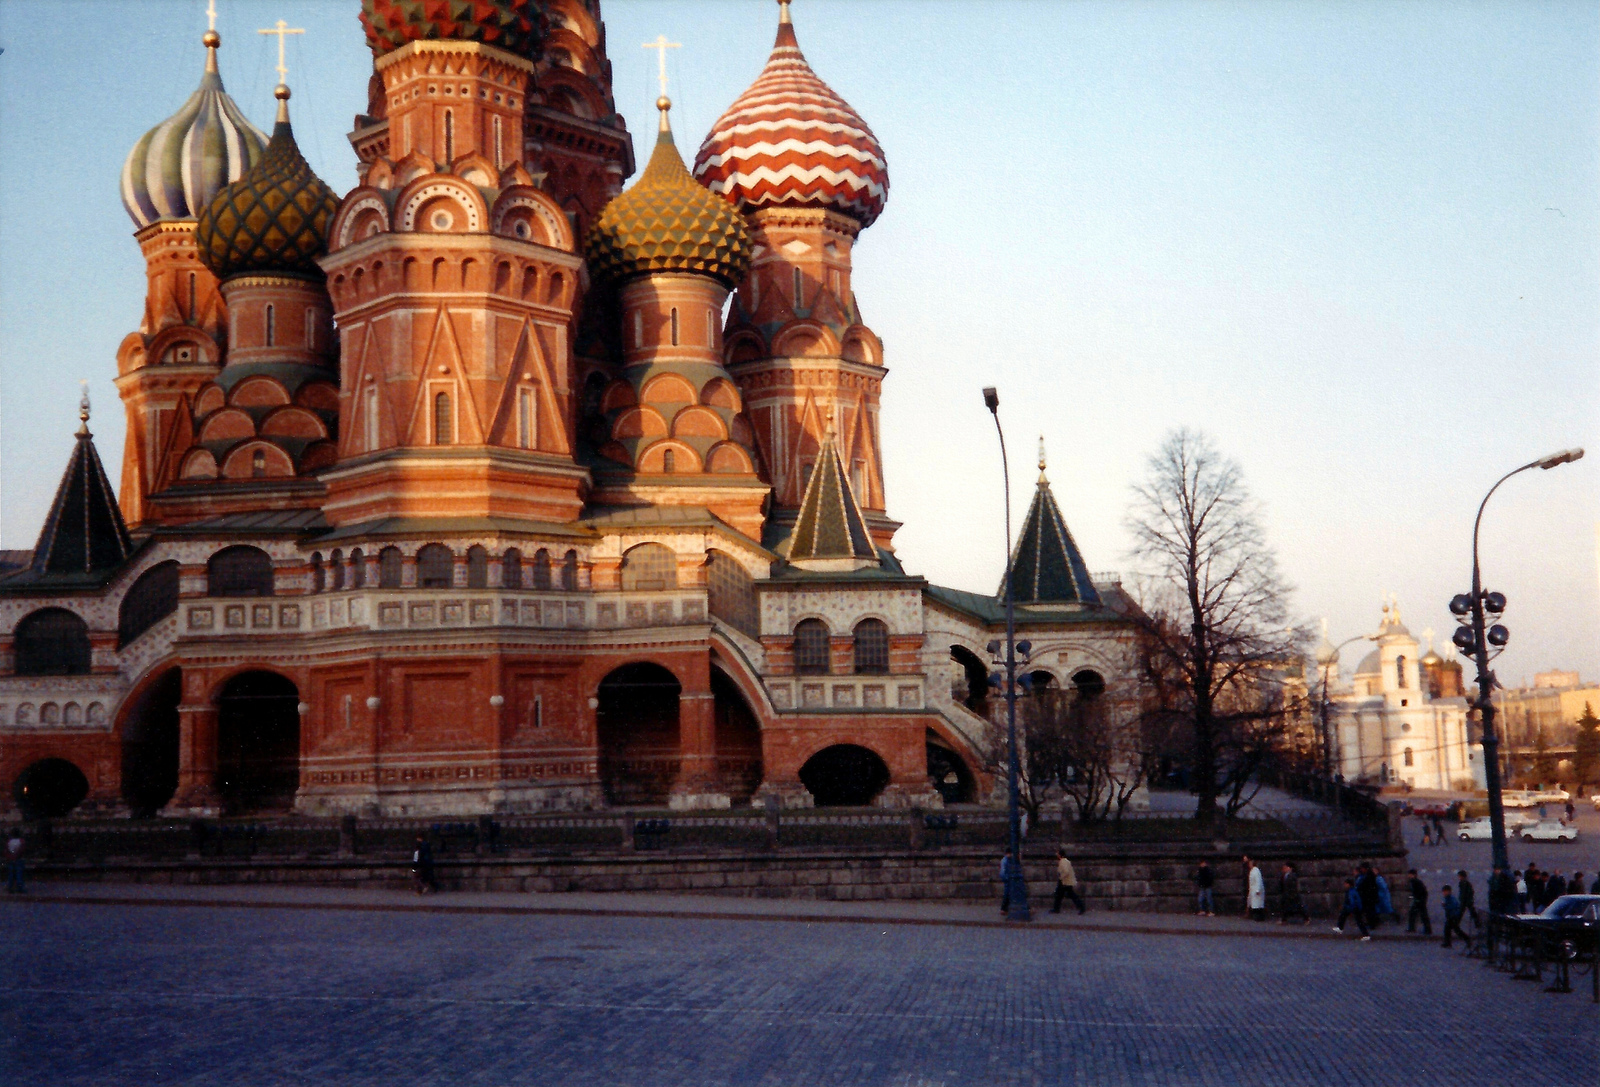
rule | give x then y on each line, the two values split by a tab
668	222
274	219
517	26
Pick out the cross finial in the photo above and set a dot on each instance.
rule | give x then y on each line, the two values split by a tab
211	14
1041	458
83	411
282	29
661	45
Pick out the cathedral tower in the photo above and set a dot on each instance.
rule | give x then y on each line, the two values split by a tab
170	175
809	175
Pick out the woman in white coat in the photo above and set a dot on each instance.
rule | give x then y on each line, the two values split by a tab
1258	893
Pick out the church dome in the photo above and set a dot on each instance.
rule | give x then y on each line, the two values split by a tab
791	141
516	26
273	219
668	222
179	165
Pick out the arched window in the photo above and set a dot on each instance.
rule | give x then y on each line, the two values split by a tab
527	421
390	564
569	572
443	420
511	569
1088	683
1400	676
436	566
477	567
1409	760
148	601
541	569
358	569
318	575
52	642
669	461
272	323
239	571
731	593
649	567
258	463
674	326
811	648
336	570
872	647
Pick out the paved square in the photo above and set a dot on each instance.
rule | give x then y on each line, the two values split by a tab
141	995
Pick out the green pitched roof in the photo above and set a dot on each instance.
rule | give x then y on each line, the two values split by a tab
831	532
84	537
1047	567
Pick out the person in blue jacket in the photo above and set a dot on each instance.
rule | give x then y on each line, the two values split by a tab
1353	908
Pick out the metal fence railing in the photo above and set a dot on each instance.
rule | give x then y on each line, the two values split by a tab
1531	950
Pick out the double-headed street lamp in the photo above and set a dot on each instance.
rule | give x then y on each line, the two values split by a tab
1482	644
1016	884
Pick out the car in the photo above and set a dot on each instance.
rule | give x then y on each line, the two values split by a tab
1549	830
1595	800
1482	827
1427	808
1517	798
1551	796
1568	913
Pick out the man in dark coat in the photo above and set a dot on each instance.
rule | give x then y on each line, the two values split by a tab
1452	916
1554	887
422	866
1419	906
1289	901
1367	891
1466	899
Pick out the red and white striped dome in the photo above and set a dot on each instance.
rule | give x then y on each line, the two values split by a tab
790	141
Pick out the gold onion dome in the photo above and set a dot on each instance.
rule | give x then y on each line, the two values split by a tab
668	222
273	219
516	26
180	164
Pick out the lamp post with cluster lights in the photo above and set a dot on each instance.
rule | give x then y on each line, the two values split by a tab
1482	643
1016	884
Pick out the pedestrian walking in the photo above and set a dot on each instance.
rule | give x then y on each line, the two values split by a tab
1554	887
1205	897
1385	899
1257	900
1427	831
1438	832
1066	883
422	866
1246	864
1572	813
1352	908
1007	863
1367	892
1452	916
1468	899
1502	892
1419	906
1575	884
1522	893
1289	901
16	871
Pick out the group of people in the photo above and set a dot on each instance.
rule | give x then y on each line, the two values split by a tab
1537	888
1433	830
1290	905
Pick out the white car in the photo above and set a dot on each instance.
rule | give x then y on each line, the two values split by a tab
1482	829
1549	830
1551	796
1595	800
1518	798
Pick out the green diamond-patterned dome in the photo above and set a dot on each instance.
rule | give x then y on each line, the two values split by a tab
668	222
516	26
273	219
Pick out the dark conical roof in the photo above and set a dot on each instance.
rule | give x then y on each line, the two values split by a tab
84	534
831	533
1047	567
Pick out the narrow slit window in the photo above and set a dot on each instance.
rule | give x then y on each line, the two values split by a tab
272	321
193	319
669	461
449	136
371	420
311	330
443	429
258	463
527	436
499	139
674	326
799	289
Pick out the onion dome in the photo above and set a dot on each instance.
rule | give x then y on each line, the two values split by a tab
516	26
179	165
668	222
790	141
273	219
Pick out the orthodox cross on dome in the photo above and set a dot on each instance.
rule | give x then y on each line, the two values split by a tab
83	411
211	15
661	45
282	30
1041	448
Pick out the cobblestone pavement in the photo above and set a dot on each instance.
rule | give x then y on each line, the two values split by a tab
197	995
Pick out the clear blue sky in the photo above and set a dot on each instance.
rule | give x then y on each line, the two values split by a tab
1355	242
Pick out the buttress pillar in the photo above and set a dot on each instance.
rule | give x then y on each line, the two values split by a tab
197	763
697	784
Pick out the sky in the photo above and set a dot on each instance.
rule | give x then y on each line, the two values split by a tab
1354	243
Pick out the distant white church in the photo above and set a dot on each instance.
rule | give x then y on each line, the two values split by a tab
1401	718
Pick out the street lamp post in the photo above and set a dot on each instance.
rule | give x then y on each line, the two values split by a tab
1475	641
1016	884
1327	734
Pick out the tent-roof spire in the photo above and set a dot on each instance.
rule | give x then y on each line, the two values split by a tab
1047	567
84	534
831	532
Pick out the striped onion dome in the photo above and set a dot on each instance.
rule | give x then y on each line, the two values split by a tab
179	165
667	222
273	219
789	141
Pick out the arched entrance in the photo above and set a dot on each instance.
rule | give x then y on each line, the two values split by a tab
844	775
150	747
50	788
948	772
738	741
974	692
637	726
258	743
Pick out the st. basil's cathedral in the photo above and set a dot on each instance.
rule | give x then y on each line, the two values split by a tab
474	491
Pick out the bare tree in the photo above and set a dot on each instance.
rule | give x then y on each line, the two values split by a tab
1213	621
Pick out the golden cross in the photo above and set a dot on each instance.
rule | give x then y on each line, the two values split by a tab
280	30
211	14
661	45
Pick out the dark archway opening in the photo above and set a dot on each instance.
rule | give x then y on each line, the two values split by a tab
974	692
637	723
844	775
949	774
150	747
258	743
50	788
738	741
